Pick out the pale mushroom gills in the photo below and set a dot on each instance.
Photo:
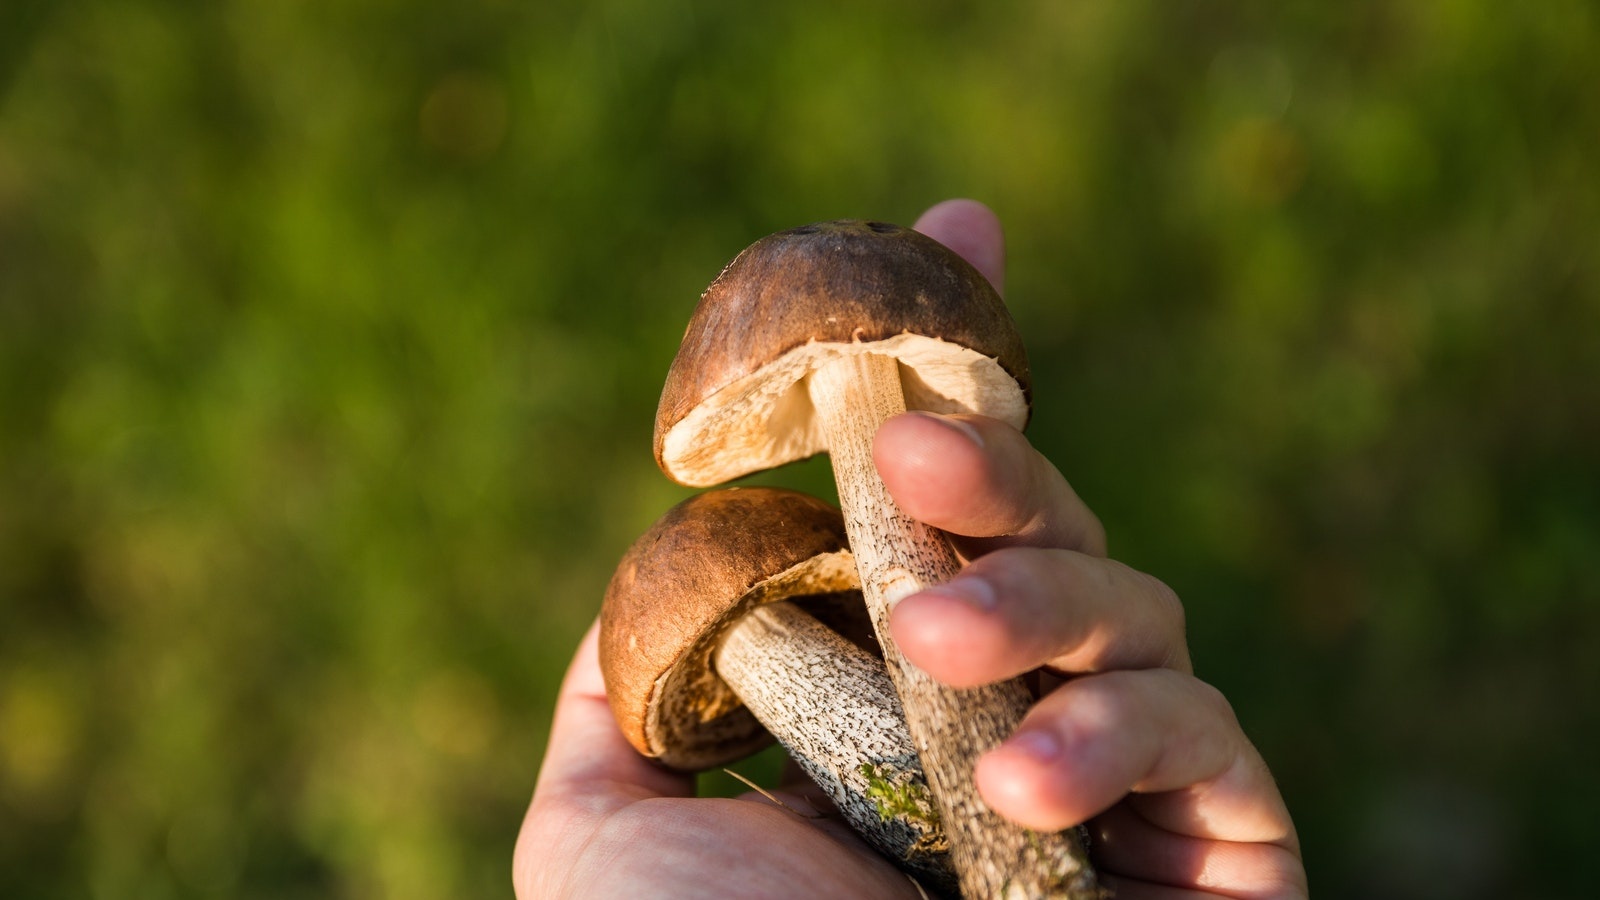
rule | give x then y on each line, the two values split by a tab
735	400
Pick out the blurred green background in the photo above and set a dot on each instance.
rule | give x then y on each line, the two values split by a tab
331	335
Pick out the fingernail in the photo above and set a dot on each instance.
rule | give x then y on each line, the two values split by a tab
1038	745
960	425
971	590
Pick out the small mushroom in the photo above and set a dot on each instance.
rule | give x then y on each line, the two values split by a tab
706	649
807	342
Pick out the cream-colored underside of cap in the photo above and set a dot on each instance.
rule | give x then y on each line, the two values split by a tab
766	418
692	719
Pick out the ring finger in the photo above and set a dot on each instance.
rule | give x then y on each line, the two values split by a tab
1169	739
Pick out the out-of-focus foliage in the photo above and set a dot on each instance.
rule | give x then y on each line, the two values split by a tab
330	337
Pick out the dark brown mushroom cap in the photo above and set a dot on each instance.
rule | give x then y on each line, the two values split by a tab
735	401
681	585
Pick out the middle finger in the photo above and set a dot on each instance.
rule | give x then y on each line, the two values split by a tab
1021	608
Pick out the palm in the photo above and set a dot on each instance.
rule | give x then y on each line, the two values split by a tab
606	822
669	847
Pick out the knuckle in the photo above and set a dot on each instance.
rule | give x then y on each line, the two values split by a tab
1094	535
1214	700
1167	607
1167	603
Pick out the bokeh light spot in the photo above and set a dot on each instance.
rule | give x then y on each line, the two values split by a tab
1262	162
465	116
455	713
39	730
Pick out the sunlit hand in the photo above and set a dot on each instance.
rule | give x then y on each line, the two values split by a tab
1179	802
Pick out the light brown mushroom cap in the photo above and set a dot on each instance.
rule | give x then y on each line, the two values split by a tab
704	564
735	399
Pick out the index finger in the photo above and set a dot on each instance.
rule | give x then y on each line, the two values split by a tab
587	753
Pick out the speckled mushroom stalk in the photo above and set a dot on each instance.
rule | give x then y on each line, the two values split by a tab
896	556
807	342
832	706
704	643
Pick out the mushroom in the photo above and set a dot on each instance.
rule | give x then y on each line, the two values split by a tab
807	342
706	649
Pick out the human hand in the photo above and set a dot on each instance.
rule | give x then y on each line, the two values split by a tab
607	822
1181	803
1178	801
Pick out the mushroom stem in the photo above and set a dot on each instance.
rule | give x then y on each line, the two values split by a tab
897	556
833	707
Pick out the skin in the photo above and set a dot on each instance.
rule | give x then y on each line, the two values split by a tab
1178	801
